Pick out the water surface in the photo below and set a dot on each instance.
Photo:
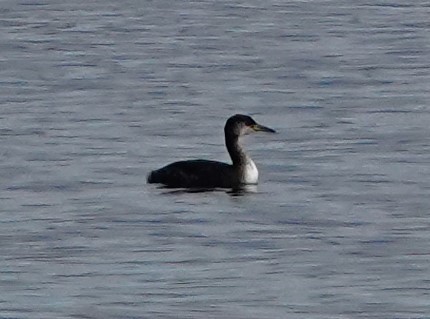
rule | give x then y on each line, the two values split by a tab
94	95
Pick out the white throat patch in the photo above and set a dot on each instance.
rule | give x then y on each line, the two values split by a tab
250	175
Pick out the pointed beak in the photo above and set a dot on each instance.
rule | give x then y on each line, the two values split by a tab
261	128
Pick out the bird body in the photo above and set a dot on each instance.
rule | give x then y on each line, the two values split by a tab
194	173
212	174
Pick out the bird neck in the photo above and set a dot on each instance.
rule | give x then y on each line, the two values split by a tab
237	154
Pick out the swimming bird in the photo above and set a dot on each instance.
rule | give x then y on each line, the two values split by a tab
212	174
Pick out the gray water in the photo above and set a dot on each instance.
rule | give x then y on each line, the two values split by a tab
95	94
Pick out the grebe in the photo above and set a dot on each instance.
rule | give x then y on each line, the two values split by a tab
212	174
